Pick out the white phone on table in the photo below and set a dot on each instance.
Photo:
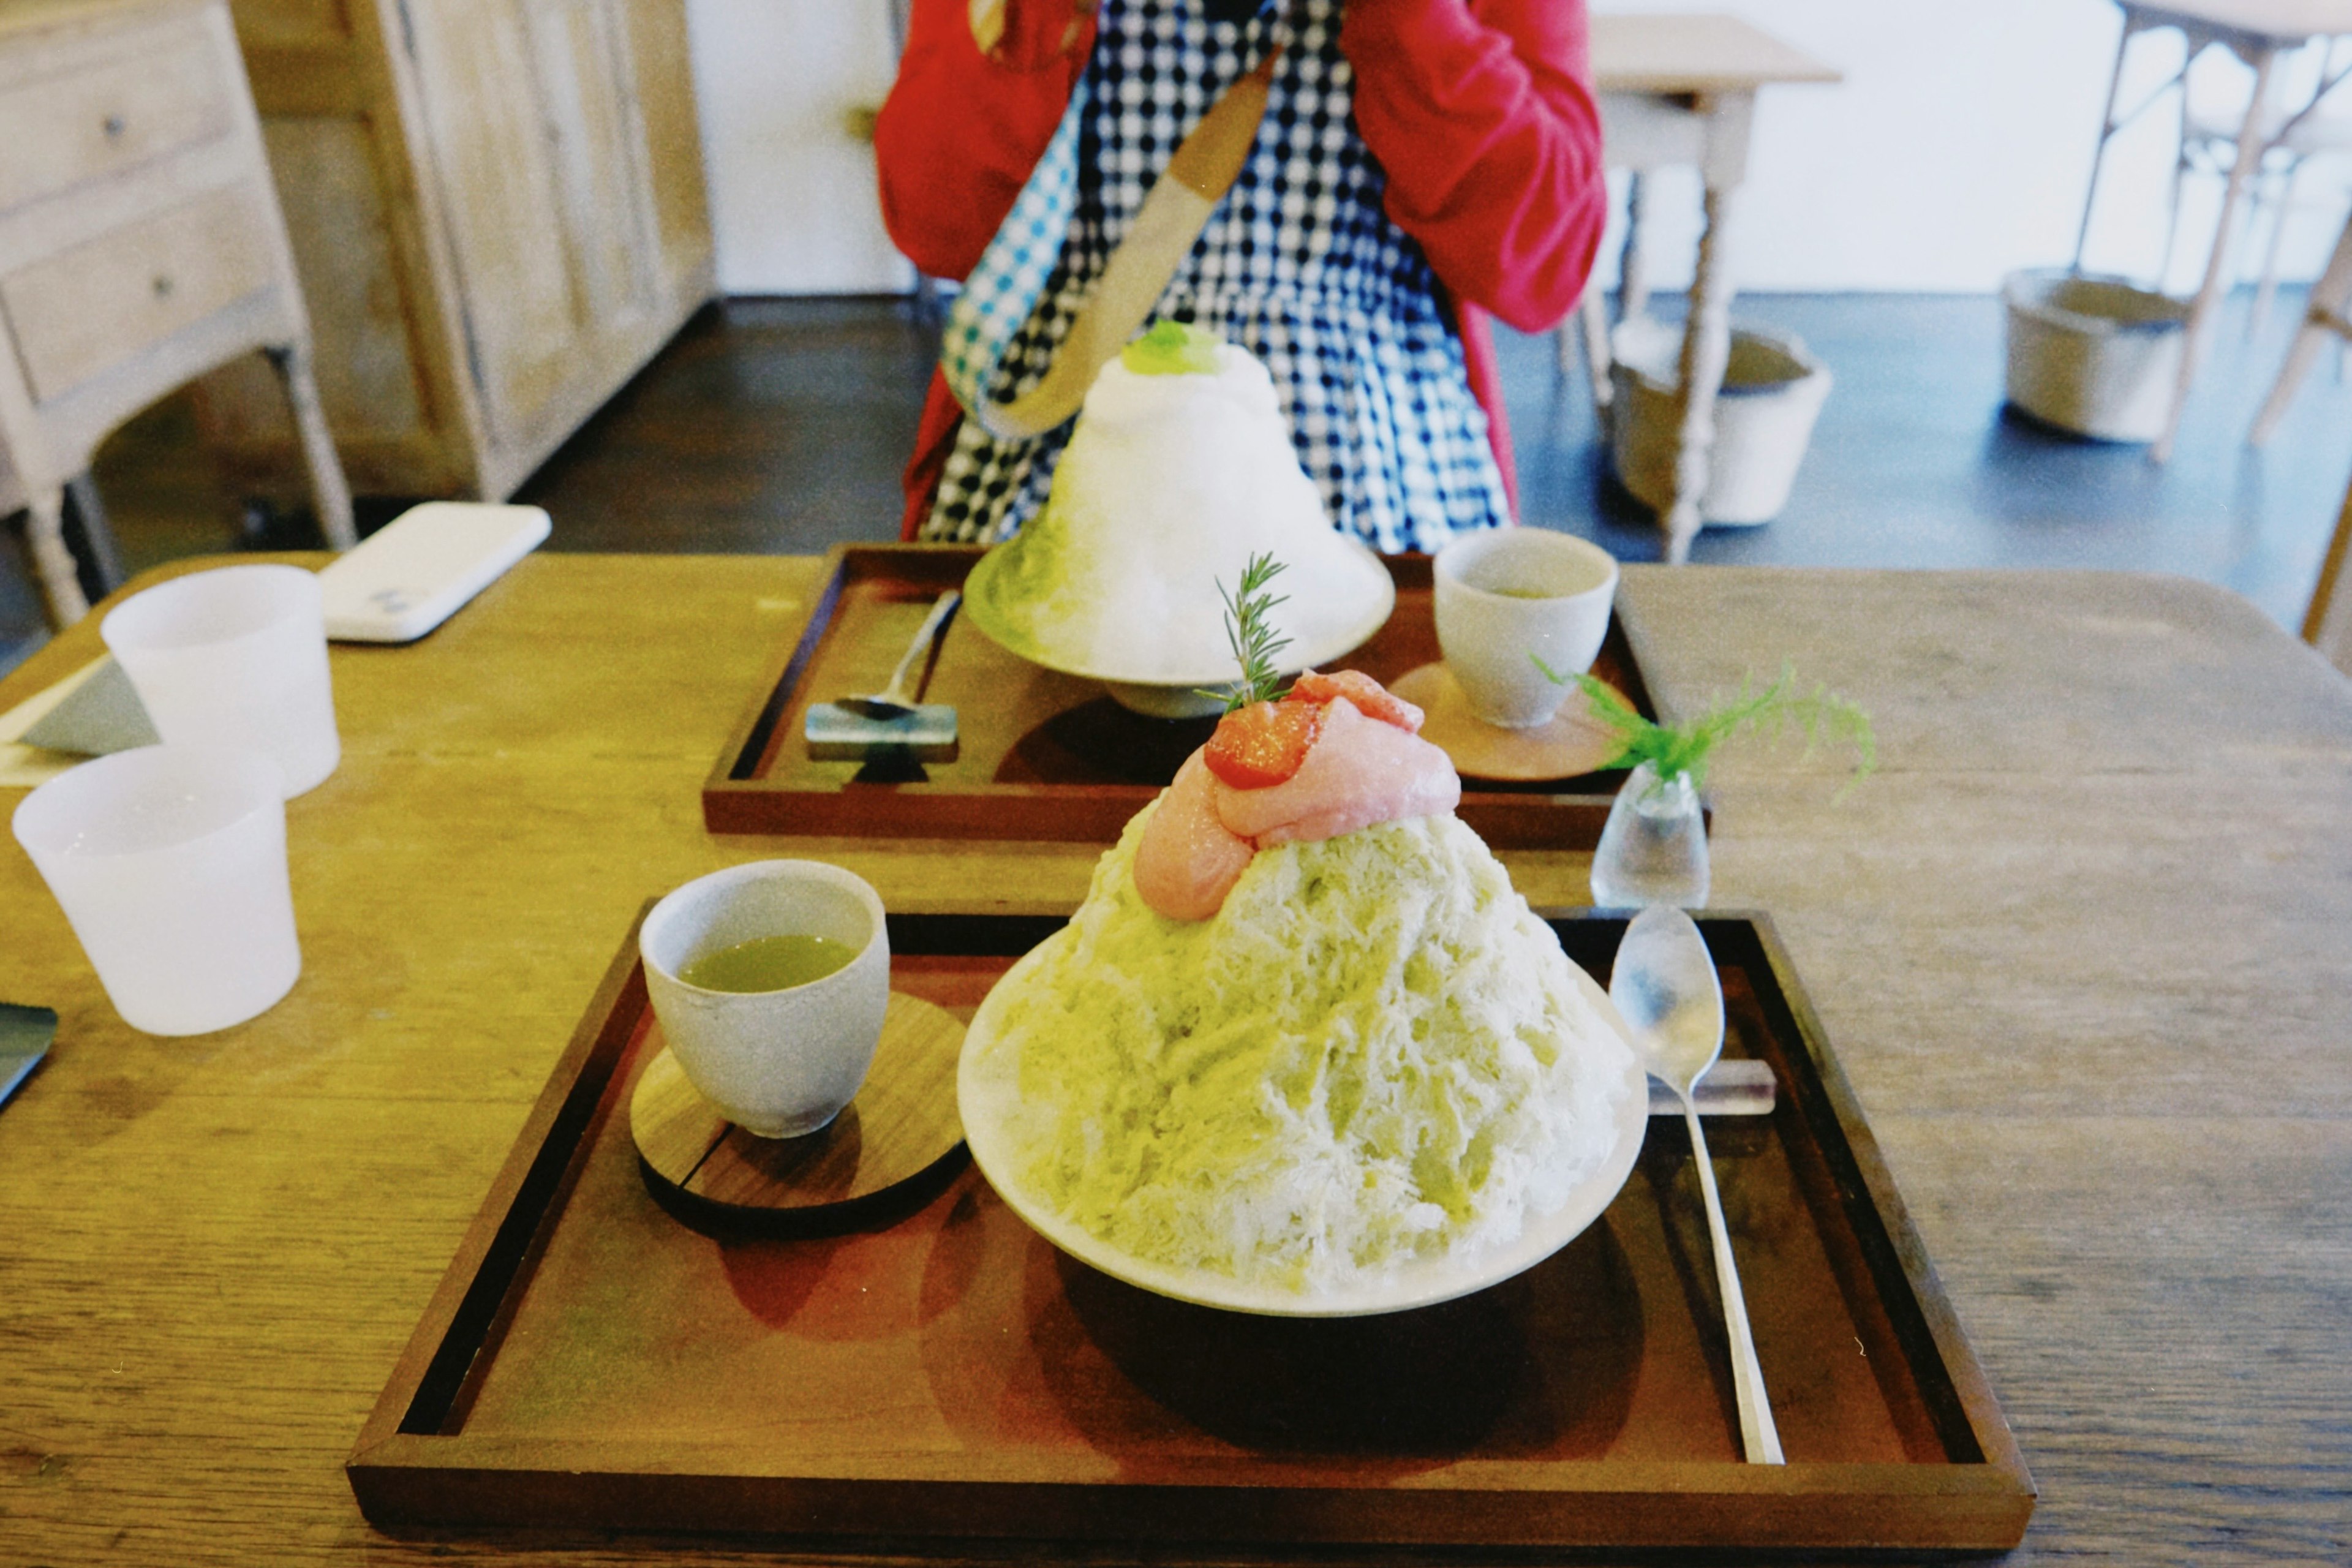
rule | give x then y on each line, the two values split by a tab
415	570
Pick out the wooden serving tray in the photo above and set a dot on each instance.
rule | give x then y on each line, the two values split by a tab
948	1385
1046	756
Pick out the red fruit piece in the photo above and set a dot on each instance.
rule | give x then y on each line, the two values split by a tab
1262	744
1372	699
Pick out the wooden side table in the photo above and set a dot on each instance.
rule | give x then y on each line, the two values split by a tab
141	246
1676	90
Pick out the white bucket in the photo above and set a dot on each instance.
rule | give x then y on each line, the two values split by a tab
2095	355
1771	394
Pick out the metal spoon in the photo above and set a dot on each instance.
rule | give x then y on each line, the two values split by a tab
1665	987
897	699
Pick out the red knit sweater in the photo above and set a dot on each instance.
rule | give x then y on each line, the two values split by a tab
1480	112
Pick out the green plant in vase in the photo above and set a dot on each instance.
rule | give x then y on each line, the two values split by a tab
1654	848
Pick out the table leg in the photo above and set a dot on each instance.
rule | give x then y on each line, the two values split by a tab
1632	299
1707	334
2107	130
2267	290
2172	199
328	492
52	562
2322	319
1634	262
95	531
1707	349
1593	317
2209	295
2328	625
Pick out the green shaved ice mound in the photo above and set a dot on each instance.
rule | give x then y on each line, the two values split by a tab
1173	348
1374	1054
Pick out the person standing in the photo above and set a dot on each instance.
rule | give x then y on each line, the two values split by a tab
1419	165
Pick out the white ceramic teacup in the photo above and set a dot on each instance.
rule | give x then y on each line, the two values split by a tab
778	1064
1510	592
170	864
235	657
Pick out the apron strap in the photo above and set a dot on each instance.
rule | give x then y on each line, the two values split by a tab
1003	291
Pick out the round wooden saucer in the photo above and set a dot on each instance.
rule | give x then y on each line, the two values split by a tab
902	1126
1570	742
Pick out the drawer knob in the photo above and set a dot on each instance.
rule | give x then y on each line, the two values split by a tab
163	286
115	126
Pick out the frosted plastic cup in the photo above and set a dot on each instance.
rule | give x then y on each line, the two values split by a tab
1511	592
778	1064
170	864
236	657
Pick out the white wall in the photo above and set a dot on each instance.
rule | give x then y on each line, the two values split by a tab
791	188
1957	147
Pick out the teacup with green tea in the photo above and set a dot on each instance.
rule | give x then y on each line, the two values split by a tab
1507	592
770	980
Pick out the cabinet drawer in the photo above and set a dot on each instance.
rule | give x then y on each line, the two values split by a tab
76	314
170	91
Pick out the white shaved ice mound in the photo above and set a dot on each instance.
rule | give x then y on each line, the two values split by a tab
1170	484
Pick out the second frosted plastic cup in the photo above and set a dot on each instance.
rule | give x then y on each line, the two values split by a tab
170	864
236	657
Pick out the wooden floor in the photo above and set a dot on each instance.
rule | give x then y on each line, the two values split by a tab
778	426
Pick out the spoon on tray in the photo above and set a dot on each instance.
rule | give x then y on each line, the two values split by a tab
1664	986
897	700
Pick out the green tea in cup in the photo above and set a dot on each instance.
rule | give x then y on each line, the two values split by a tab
770	980
768	963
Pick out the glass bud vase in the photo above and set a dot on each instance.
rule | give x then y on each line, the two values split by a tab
1653	849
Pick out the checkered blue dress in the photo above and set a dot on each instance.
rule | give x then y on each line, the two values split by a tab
1299	264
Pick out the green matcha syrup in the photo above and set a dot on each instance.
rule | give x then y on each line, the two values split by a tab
1173	348
768	963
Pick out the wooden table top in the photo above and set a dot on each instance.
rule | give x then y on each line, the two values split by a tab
2084	945
1694	54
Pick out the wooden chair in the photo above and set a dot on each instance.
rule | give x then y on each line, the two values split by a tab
2328	625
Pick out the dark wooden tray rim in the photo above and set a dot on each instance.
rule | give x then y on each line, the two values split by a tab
742	795
416	1464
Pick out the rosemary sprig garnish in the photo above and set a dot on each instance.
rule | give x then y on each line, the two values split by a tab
1251	633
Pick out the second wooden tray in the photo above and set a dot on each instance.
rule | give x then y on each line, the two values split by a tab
1046	756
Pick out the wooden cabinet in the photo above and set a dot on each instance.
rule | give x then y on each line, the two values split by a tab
497	209
141	246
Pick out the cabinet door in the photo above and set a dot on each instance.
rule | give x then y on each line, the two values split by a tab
600	159
354	281
502	206
663	80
